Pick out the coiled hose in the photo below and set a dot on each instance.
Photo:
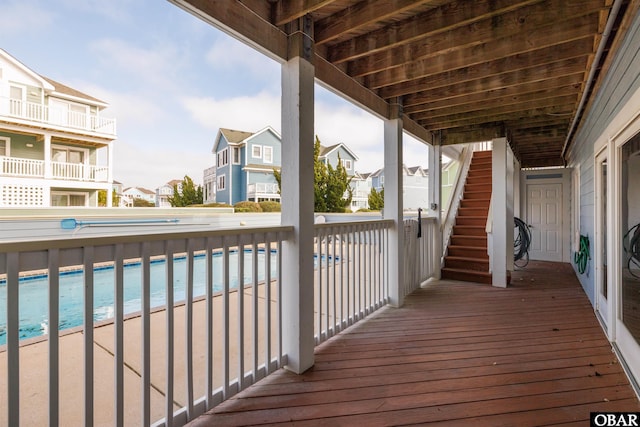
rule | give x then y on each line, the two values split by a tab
521	243
582	257
631	244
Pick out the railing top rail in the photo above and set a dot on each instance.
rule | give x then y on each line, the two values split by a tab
69	243
387	222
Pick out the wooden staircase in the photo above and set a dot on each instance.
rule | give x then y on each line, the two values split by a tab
467	257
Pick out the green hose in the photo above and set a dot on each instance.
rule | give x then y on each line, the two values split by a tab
582	257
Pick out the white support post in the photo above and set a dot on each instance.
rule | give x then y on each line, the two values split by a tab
110	174
435	198
516	188
393	203
502	213
297	211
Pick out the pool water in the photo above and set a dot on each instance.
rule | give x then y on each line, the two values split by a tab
33	306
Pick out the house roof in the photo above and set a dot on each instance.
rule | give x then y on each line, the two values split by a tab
69	92
140	189
325	151
231	136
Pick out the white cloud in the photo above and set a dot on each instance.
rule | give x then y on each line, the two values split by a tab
248	113
150	168
229	54
116	10
22	16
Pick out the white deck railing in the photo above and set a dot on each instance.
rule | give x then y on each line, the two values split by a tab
28	168
262	188
170	363
56	116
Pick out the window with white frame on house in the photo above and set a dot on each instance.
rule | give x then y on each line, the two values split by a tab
68	199
5	146
236	155
221	184
223	158
62	154
256	151
267	154
346	163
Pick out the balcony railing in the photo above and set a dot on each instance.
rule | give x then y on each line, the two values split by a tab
262	188
31	111
28	168
201	344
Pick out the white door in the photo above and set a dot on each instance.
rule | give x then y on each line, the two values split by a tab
544	215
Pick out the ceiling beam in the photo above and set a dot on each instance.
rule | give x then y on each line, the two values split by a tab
289	10
360	15
399	70
421	26
476	134
565	59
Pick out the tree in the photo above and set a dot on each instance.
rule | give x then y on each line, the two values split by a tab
142	203
376	200
189	194
331	189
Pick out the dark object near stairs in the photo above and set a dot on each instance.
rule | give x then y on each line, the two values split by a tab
467	257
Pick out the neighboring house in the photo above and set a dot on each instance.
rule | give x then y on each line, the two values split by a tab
209	185
165	191
133	193
415	186
330	156
361	188
244	165
50	136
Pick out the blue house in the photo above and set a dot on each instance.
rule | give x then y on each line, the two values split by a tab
244	164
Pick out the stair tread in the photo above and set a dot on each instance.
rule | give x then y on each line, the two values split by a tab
460	270
465	258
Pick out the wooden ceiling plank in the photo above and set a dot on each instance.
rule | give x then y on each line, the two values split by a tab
500	48
514	24
442	115
289	10
360	15
479	100
466	94
444	18
538	61
493	116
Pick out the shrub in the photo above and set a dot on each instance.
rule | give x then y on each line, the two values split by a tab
270	206
247	207
212	205
364	210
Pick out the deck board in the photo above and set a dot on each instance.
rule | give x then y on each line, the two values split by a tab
455	354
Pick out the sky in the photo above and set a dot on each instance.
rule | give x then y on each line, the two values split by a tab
171	82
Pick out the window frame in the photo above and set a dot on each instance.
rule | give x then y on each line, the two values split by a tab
221	182
253	151
268	149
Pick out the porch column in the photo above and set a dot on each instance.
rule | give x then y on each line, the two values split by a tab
435	197
502	213
297	203
516	188
393	202
47	156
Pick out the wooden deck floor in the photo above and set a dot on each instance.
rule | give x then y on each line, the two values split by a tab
456	354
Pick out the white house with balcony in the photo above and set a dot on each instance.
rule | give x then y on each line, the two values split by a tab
165	191
56	148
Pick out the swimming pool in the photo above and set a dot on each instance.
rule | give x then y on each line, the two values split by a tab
33	308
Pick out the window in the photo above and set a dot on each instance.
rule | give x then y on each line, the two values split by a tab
223	157
5	146
346	163
236	155
221	182
268	155
256	151
68	155
68	199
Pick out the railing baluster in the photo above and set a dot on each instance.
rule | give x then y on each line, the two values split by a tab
240	293
118	346
279	290
334	237
267	298
88	336
342	314
168	402
209	321
255	308
225	318
318	303
188	312
54	343
13	337
145	318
